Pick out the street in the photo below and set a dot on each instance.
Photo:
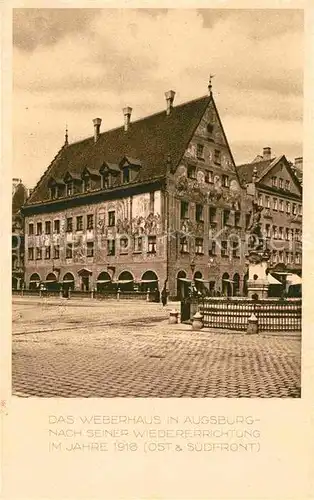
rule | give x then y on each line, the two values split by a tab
86	348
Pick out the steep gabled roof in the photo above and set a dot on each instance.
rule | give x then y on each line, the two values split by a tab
246	170
149	140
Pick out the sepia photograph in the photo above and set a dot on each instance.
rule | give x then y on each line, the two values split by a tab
157	185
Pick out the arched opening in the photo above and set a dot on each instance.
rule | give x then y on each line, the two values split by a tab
226	285
200	285
245	280
183	285
126	281
103	282
85	275
51	282
149	281
236	285
34	281
68	282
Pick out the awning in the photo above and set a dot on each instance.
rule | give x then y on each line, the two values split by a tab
228	281
50	281
103	281
68	281
201	280
273	281
294	279
148	281
84	270
34	281
124	281
185	280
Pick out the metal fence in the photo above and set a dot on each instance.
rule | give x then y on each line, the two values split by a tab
233	314
79	294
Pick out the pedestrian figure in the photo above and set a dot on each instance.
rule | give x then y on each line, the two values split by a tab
164	296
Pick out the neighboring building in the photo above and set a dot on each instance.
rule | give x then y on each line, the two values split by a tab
279	192
19	196
153	202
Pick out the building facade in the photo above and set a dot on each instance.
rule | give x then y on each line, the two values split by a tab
278	190
19	197
157	202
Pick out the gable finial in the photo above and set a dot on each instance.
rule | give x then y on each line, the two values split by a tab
210	86
66	137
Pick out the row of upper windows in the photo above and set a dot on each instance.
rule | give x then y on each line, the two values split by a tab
138	246
280	183
281	205
282	233
199	152
208	176
285	257
79	226
199	214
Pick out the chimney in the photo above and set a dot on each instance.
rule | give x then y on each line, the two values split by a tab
267	153
127	117
97	123
169	98
298	162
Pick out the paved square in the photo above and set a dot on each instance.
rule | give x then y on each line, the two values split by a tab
85	348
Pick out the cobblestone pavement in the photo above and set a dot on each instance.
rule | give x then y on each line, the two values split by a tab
128	349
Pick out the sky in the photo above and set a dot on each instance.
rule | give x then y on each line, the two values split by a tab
72	65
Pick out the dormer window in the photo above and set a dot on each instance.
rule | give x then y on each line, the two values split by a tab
86	183
69	188
55	187
126	175
106	180
54	192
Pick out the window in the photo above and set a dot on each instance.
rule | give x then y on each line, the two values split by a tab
247	220
30	253
281	205
237	219
287	234
54	192
106	180
260	200
48	227
291	258
184	210
86	183
69	188
275	204
111	218
274	181
294	209
281	233
287	185
199	245
297	235
225	181
225	217
56	226
124	244
212	215
275	256
90	221
152	244
39	228
90	249
191	172
152	202
111	247
69	251
217	156
126	175
79	223
200	151
280	183
224	248
234	246
208	176
56	252
298	258
267	229
199	213
38	253
138	244
280	256
288	207
267	201
212	248
291	235
184	245
47	252
31	228
275	232
288	260
69	225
